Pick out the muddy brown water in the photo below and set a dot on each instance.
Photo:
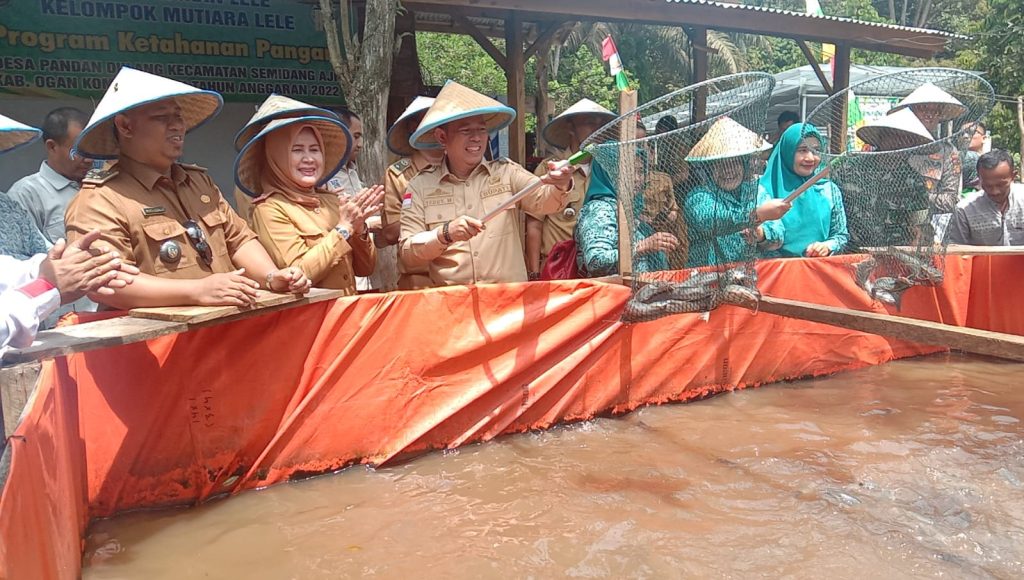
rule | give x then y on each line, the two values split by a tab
911	469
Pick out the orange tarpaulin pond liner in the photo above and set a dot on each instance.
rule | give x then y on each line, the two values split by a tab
379	378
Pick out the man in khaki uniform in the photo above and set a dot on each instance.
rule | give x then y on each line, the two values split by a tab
166	218
397	177
566	132
441	226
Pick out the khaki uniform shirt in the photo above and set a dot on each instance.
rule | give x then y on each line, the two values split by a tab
138	211
492	256
396	178
305	238
559	226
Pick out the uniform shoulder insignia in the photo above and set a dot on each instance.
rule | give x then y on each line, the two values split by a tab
505	160
400	166
99	176
193	166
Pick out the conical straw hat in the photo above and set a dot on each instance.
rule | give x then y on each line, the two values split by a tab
456	102
727	138
929	94
276	107
13	134
337	145
899	130
133	88
557	131
398	134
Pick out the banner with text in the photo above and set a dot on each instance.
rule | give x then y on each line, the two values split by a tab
243	49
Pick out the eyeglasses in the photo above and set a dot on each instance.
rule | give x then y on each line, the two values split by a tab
197	236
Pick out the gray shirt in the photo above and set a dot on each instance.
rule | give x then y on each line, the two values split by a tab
978	222
45	195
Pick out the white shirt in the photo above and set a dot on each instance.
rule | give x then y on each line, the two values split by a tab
46	196
20	313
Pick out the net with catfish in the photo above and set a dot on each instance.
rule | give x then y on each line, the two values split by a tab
901	172
682	170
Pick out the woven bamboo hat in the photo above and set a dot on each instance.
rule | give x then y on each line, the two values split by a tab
727	138
557	131
456	102
899	130
276	107
929	94
398	134
134	88
337	146
13	134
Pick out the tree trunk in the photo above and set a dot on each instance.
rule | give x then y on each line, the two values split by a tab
903	13
892	10
363	66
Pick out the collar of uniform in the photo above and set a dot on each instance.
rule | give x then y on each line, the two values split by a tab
445	173
55	179
146	175
417	166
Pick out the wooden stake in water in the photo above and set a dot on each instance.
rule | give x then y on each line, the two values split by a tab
574	159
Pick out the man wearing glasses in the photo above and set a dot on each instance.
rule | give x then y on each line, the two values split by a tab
443	207
167	218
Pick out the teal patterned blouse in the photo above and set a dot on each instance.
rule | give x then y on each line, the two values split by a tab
715	221
597	231
19	236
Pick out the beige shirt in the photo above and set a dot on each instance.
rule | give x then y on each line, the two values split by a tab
559	226
496	254
139	211
305	238
396	178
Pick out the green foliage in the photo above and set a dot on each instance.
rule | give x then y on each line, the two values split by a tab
1001	58
460	58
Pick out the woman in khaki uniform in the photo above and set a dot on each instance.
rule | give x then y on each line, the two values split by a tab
283	168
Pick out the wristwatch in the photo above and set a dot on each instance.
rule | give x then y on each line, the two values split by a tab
344	233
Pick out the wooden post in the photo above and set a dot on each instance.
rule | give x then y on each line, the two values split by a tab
840	81
1020	127
542	104
699	72
16	386
516	86
627	176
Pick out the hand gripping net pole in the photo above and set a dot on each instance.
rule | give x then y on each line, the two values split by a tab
901	170
683	172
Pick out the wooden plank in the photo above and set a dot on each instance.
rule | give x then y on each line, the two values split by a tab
956	250
543	41
485	43
515	74
813	61
90	336
198	314
17	383
130	329
972	340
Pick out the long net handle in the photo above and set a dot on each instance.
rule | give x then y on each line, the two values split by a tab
519	195
807	184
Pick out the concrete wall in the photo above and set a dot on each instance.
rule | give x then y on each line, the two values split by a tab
211	146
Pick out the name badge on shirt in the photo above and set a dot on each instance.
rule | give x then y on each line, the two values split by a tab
152	211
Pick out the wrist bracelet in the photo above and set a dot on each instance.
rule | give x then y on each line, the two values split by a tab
270	276
444	233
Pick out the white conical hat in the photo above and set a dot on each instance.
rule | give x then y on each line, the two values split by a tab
398	134
929	94
14	134
276	107
337	146
557	131
727	138
456	102
133	88
901	129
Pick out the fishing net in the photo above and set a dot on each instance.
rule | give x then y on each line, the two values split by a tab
684	171
901	171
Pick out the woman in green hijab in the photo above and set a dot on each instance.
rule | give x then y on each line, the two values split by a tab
816	226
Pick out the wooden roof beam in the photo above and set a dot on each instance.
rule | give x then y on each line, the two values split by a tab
485	43
815	66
